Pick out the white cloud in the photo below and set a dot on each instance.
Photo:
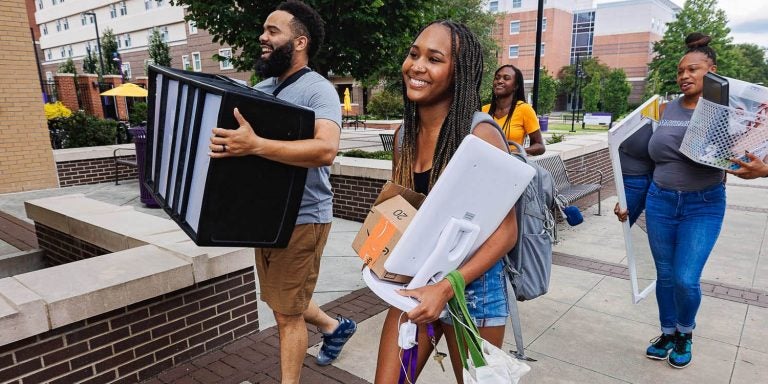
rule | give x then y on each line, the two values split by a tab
747	19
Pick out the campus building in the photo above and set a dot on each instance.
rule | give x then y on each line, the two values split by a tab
620	34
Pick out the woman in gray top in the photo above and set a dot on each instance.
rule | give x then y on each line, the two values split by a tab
685	206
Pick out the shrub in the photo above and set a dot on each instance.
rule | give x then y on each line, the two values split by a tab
387	105
556	138
138	113
56	110
81	130
380	155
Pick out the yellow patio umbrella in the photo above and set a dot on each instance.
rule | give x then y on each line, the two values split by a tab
126	90
347	101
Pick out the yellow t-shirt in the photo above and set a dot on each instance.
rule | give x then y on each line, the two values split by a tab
524	122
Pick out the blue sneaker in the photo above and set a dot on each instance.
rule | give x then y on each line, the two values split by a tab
333	342
681	355
660	347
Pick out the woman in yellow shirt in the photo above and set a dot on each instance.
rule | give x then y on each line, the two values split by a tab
508	107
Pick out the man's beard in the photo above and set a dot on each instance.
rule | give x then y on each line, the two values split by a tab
278	62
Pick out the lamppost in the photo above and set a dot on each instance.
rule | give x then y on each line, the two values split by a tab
98	41
576	97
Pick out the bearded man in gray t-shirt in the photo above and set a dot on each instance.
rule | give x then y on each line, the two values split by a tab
287	277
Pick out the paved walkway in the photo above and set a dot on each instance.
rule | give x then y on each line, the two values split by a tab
585	330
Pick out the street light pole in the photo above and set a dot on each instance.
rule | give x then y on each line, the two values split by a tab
98	41
574	102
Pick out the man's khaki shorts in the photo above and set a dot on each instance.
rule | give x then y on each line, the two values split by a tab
287	276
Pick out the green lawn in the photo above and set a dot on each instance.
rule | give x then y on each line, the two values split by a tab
565	128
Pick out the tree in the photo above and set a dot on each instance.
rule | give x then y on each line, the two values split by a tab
547	93
159	51
364	39
696	16
751	64
90	62
67	67
592	94
616	92
109	50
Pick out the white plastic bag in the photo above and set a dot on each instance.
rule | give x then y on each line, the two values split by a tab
501	369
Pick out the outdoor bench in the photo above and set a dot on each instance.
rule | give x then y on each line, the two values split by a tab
123	160
566	191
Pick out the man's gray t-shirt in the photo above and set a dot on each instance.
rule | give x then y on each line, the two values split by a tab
316	93
673	169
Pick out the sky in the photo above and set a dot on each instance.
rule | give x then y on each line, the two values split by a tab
748	19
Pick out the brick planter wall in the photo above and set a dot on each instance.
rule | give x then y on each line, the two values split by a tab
354	196
93	171
599	160
141	340
60	248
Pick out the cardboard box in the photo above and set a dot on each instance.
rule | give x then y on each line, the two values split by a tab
390	215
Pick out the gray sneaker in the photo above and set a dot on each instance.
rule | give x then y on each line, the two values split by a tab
334	342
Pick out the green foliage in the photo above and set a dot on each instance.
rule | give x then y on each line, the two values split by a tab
387	104
365	39
555	138
159	51
67	67
696	16
138	113
81	130
547	93
90	62
616	92
380	155
751	63
592	94
108	48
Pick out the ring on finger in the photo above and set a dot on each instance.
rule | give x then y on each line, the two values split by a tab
223	147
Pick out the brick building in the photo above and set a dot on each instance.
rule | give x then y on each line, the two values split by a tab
619	34
26	158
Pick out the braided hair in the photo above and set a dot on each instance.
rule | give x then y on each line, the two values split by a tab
517	95
699	42
467	55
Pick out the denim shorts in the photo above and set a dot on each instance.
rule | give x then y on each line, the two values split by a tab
487	298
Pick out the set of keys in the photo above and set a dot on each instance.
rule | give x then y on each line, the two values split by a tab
439	356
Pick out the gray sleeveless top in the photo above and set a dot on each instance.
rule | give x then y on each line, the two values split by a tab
673	169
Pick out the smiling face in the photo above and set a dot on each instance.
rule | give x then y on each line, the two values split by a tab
504	82
428	68
690	73
276	45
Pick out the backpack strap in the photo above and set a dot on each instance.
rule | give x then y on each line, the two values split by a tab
290	80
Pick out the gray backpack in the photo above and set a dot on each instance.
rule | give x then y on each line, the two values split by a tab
529	263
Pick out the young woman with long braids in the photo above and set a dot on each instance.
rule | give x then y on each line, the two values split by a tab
516	118
441	76
684	211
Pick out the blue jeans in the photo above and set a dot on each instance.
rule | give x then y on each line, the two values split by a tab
487	298
635	189
682	230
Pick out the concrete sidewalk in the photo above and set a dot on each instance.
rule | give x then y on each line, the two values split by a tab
585	330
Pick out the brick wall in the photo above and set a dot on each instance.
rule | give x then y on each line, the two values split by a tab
92	171
26	159
60	248
139	341
354	196
599	160
65	87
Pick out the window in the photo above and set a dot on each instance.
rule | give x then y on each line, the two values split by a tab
514	27
45	29
160	3
126	69
69	51
226	64
66	23
83	19
54	2
164	34
197	65
113	11
192	27
493	6
542	49
58	25
48	76
124	41
123	9
63	52
517	3
514	51
543	24
185	62
39	4
148	4
49	54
